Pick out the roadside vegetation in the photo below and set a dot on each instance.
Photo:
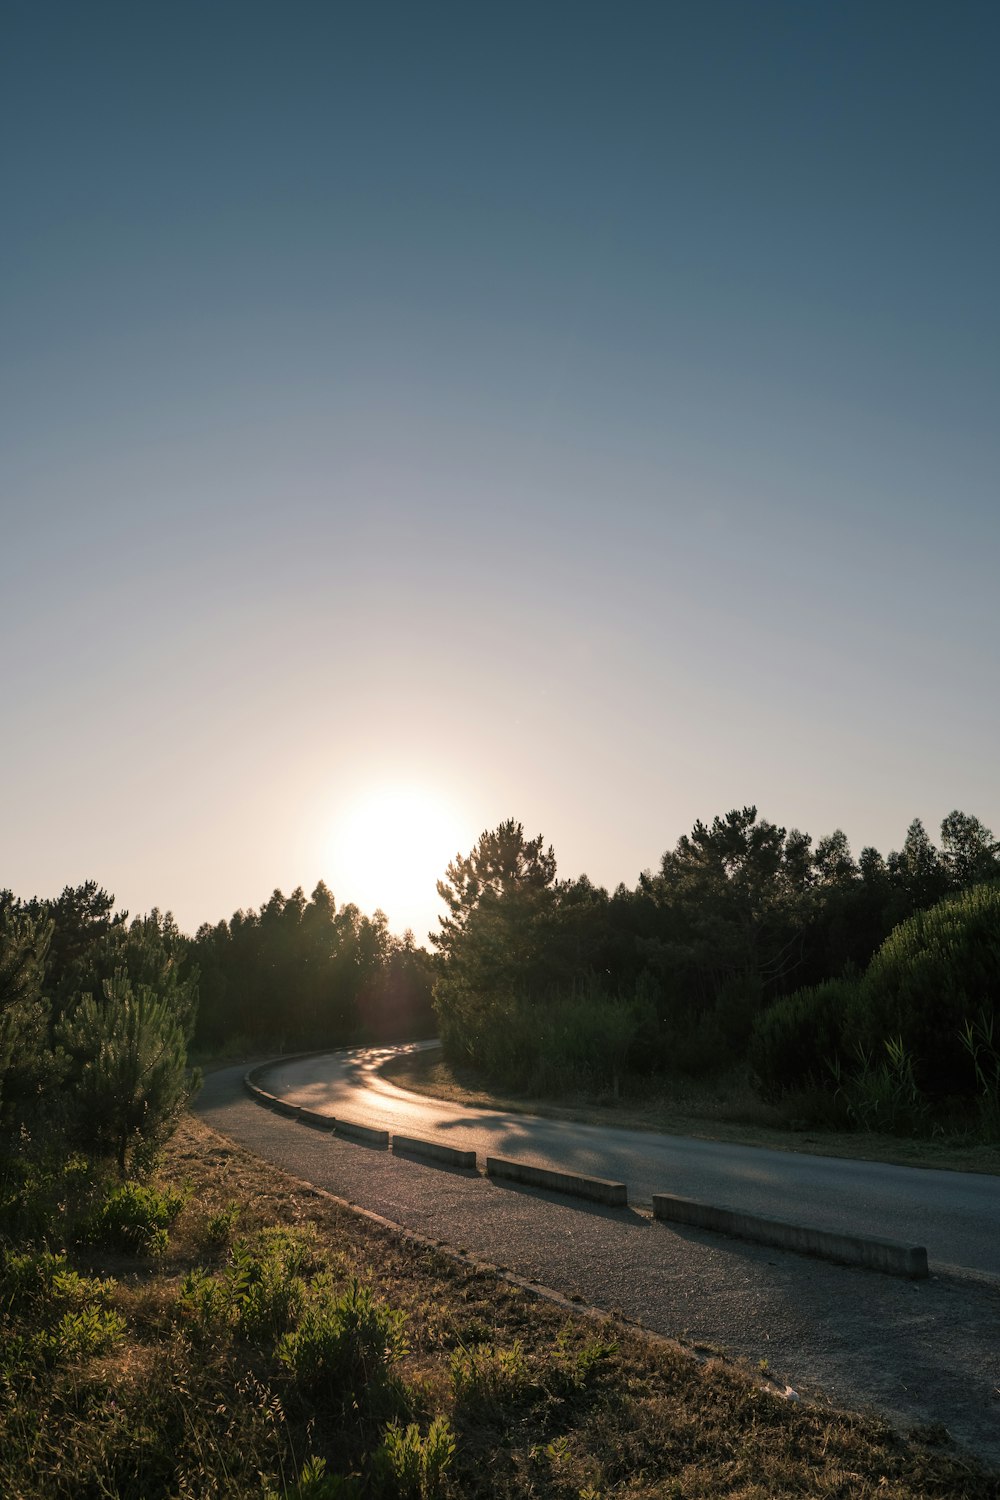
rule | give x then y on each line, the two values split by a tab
226	1332
802	990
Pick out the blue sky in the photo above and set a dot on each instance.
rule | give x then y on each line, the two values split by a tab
585	413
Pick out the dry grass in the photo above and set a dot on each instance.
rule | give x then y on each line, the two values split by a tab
726	1109
544	1402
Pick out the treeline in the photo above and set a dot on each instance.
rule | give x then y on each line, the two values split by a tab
98	1013
301	973
548	983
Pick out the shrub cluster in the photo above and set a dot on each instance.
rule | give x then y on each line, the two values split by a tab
914	1031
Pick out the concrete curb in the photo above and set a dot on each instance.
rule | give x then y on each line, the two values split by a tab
448	1156
596	1189
318	1118
366	1134
284	1108
848	1249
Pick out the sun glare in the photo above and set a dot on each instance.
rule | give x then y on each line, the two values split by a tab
389	848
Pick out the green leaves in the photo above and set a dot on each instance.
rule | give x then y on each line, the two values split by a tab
129	1065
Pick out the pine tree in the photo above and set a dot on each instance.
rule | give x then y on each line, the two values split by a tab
130	1062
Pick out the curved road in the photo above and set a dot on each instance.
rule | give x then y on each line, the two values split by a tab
918	1351
955	1214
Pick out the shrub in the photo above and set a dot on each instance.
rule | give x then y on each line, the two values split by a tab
800	1041
410	1467
931	974
314	1483
62	1314
41	1190
258	1295
982	1044
135	1218
882	1092
343	1350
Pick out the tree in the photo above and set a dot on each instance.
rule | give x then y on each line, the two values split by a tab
28	1068
917	874
82	916
833	862
129	1050
969	851
736	896
503	864
496	940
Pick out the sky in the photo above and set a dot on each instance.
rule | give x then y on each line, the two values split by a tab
416	416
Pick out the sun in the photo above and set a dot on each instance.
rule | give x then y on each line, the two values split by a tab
388	849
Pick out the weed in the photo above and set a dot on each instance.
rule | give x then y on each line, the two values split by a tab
219	1229
883	1095
577	1363
486	1379
978	1040
409	1467
135	1218
343	1350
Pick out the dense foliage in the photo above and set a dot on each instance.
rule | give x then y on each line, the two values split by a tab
929	992
858	978
306	973
95	1017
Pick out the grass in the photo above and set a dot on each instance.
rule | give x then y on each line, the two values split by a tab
279	1345
720	1109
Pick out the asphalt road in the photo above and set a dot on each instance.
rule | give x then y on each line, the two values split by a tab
956	1215
918	1352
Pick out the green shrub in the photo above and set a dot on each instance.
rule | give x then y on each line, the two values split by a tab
576	1363
343	1349
258	1295
931	974
78	1334
220	1226
410	1467
314	1483
982	1044
60	1314
800	1041
135	1218
586	1037
42	1191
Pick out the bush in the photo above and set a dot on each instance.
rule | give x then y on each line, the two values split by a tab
62	1315
259	1295
41	1190
134	1218
343	1350
800	1041
486	1380
933	973
882	1093
586	1037
410	1467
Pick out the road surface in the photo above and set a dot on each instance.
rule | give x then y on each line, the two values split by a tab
956	1215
